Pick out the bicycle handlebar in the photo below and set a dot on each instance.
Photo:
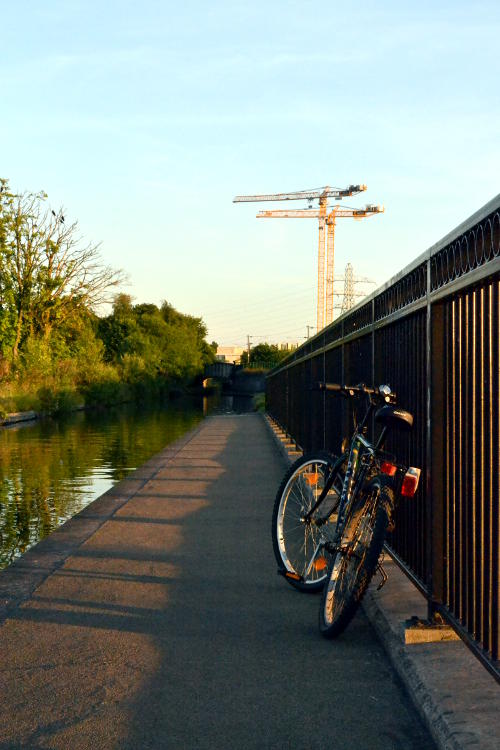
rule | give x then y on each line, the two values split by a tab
383	392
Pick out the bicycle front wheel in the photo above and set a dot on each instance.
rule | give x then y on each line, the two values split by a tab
352	567
299	545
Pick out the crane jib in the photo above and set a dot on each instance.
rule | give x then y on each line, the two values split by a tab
325	192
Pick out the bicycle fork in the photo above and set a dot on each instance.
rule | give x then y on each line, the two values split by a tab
346	493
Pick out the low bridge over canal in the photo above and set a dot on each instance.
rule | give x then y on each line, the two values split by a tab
220	370
236	378
433	334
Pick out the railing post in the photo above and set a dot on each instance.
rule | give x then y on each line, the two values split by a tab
435	457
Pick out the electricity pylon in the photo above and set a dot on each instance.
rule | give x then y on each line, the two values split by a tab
350	294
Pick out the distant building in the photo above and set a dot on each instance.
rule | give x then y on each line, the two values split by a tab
230	354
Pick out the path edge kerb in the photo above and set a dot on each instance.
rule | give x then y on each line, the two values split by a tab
445	712
28	572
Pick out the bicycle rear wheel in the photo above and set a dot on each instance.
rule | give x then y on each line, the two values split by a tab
351	569
298	545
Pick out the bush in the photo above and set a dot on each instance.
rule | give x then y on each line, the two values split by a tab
106	393
52	401
36	361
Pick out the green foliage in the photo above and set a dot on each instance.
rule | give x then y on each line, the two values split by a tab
264	356
54	350
106	392
259	402
48	276
147	341
57	401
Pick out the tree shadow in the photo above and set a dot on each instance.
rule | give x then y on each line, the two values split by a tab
180	634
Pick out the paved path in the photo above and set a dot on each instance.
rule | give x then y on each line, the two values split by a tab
155	619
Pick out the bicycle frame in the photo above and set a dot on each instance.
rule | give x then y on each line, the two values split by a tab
357	468
342	495
351	456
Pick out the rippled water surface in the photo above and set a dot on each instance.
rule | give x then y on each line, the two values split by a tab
51	469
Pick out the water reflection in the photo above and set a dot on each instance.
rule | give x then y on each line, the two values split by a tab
49	470
228	403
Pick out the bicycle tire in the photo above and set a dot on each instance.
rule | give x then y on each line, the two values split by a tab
351	569
294	541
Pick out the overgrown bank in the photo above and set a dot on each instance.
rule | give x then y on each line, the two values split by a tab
137	352
56	352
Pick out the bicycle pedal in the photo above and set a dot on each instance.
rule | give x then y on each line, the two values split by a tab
289	574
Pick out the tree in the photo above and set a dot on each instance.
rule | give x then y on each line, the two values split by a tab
155	341
7	303
48	273
264	355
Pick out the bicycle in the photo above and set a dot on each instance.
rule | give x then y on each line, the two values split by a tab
331	514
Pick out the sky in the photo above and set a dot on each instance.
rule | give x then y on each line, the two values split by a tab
144	120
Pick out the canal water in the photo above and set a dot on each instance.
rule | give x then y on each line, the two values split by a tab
52	468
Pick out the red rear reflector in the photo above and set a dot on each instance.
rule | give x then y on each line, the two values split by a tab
410	482
388	468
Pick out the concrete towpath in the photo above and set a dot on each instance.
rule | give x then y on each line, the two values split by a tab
155	619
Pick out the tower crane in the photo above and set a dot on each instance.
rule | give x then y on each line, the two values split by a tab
325	270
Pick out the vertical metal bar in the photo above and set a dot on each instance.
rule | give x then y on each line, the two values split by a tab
344	379
372	340
428	449
473	502
467	575
466	468
323	396
455	441
436	460
448	496
481	542
495	473
460	463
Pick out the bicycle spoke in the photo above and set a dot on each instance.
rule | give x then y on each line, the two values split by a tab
300	541
311	561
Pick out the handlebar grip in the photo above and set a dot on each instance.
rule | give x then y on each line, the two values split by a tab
329	386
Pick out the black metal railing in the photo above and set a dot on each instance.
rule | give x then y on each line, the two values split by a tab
433	334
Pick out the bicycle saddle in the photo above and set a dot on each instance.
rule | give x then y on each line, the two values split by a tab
393	416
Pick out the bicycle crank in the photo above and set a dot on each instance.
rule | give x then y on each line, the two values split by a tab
383	575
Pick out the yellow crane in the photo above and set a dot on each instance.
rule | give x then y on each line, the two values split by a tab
325	218
325	270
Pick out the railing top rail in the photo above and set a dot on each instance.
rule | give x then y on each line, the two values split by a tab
460	230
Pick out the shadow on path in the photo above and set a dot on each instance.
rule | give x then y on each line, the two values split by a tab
170	629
